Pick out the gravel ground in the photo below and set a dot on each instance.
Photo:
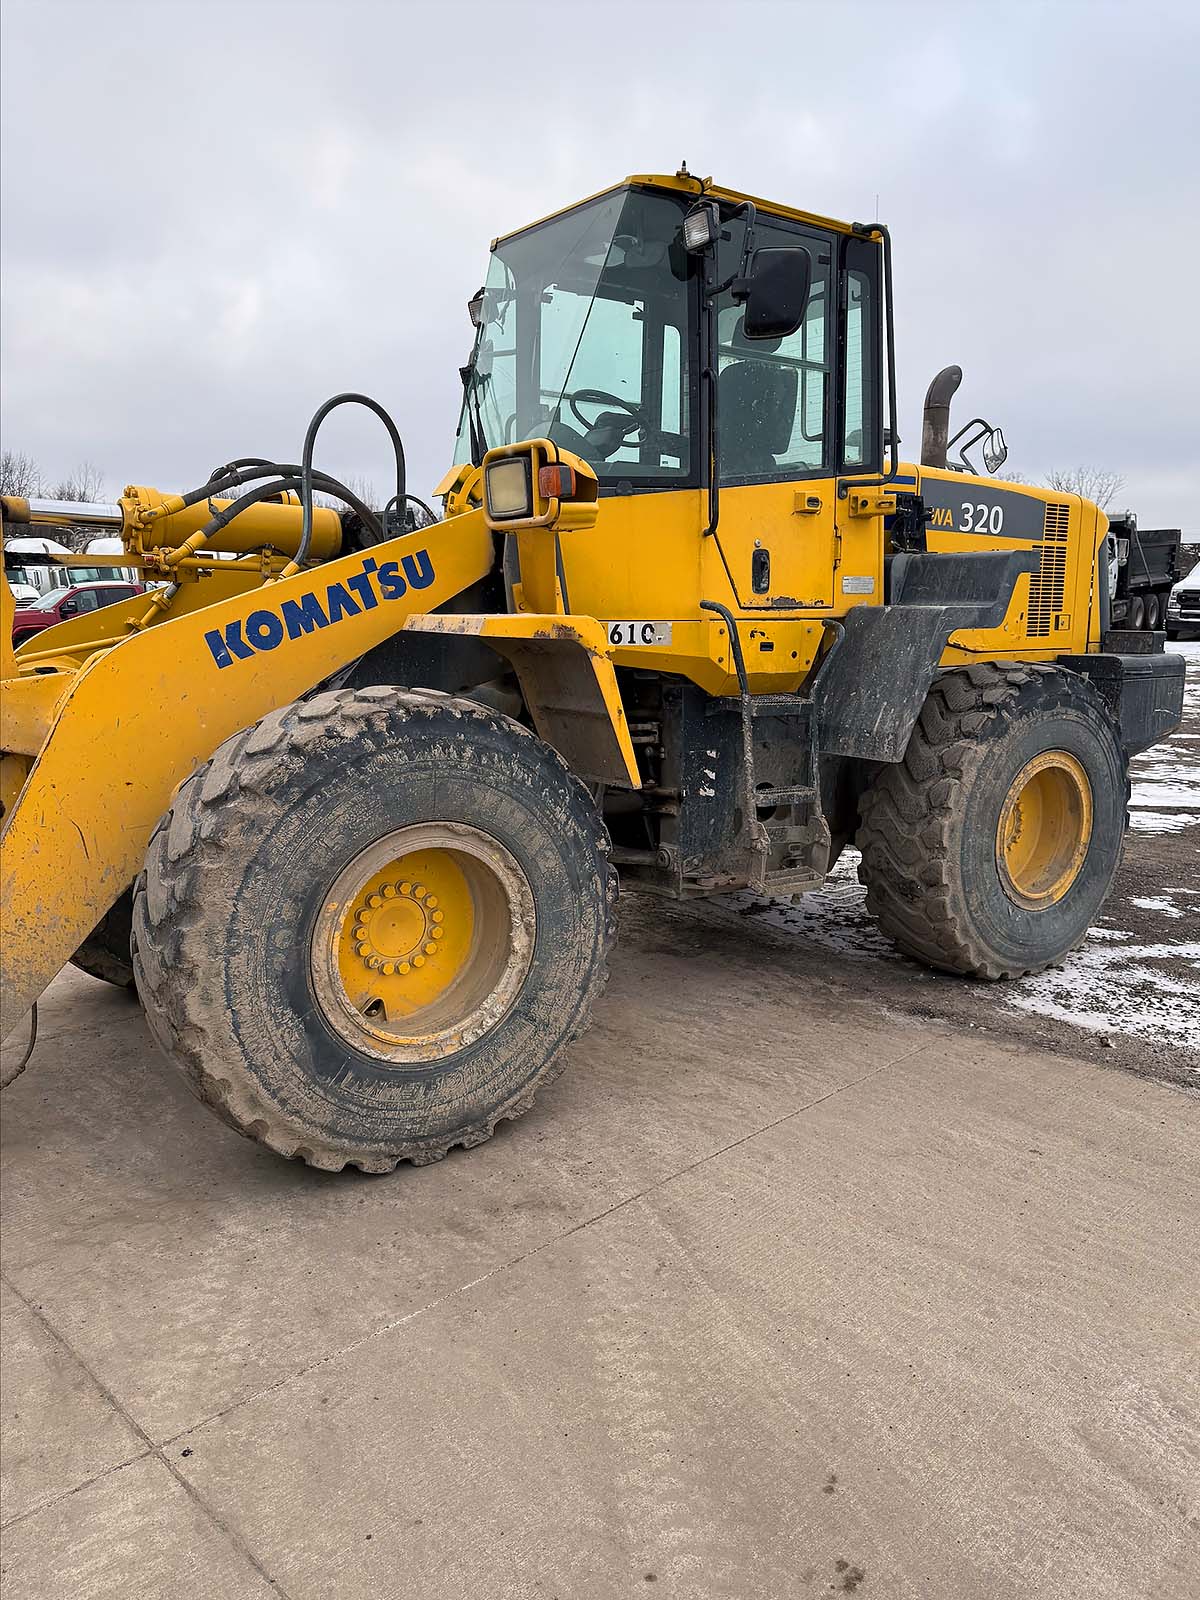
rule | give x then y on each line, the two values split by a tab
1129	997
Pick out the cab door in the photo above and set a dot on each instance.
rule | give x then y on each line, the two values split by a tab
775	419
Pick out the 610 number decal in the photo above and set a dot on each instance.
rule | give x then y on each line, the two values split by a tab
638	632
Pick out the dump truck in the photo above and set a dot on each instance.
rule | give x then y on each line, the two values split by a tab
1144	566
348	798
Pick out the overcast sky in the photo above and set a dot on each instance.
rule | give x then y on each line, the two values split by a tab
215	215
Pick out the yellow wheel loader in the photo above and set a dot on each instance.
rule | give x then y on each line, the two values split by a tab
347	794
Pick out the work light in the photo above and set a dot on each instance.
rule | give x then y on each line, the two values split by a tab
509	488
701	226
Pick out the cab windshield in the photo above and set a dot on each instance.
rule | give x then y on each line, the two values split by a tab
583	339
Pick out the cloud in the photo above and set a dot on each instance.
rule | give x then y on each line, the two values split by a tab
217	214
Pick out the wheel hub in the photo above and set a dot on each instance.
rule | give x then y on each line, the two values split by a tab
423	942
1044	829
396	929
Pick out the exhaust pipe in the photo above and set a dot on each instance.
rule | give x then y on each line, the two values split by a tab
935	425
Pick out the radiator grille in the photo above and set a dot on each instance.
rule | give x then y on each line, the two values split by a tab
1049	581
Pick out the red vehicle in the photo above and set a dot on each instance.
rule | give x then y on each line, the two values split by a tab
59	604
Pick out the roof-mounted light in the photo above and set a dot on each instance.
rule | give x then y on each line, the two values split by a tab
701	226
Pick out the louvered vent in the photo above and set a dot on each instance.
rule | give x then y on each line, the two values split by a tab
1047	584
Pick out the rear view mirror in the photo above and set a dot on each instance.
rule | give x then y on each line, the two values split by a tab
68	608
995	451
775	293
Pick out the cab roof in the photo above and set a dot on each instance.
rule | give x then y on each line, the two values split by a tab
687	184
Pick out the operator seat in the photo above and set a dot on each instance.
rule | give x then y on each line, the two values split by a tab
756	411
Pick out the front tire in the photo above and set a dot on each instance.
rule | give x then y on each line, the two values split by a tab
990	848
369	928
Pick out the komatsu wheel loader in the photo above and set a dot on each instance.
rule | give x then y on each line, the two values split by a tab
347	797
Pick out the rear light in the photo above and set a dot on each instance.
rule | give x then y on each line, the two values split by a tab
556	482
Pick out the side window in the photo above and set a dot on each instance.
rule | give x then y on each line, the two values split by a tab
773	394
109	597
861	397
85	600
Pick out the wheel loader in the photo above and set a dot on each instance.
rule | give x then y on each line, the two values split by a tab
347	794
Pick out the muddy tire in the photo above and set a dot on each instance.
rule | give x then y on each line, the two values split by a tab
105	953
990	848
368	929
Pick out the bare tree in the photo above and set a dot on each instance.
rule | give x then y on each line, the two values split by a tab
84	482
20	474
362	487
1093	483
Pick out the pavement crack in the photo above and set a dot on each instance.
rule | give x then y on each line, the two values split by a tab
67	1494
152	1449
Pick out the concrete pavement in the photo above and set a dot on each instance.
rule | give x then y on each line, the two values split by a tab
775	1293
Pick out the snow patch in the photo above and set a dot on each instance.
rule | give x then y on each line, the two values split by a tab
1162	821
1118	989
1160	903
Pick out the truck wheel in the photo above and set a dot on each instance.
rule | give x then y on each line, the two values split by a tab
104	954
368	929
1136	618
1151	612
990	848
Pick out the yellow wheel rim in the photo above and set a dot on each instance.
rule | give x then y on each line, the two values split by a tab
1044	829
423	942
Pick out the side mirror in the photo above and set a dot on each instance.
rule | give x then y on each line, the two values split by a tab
775	293
68	608
995	451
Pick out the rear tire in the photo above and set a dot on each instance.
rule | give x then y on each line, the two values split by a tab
1136	619
990	848
1151	612
283	891
105	953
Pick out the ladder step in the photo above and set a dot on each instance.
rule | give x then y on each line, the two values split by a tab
793	880
784	797
779	705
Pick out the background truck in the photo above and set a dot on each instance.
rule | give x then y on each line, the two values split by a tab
1144	565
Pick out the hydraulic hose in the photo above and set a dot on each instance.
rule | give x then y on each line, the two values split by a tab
306	474
300	478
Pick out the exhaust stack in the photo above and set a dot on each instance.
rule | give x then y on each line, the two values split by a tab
935	425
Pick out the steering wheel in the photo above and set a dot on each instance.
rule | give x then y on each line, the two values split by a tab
601	397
